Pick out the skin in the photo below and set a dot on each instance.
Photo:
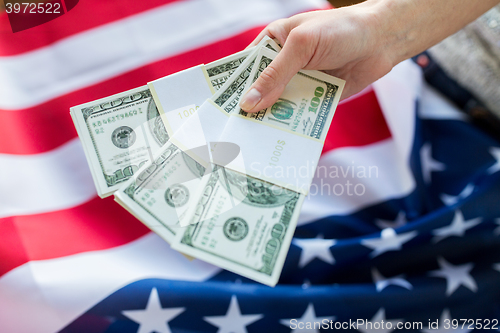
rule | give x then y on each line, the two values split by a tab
359	43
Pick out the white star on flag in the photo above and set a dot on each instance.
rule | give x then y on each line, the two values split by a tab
154	318
428	163
381	282
388	326
450	200
398	222
457	227
445	318
389	241
495	151
315	248
233	321
306	323
497	229
455	276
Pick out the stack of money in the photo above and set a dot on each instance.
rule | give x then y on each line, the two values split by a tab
217	183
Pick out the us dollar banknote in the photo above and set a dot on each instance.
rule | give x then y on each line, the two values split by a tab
307	104
228	95
119	134
161	191
242	224
220	70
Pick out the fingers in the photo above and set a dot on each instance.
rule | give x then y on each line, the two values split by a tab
270	85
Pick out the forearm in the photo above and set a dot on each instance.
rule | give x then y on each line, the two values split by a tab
408	27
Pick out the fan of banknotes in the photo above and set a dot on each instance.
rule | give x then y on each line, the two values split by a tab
217	183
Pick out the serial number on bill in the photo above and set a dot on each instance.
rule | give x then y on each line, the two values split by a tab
33	8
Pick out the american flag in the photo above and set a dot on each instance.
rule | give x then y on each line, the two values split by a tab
402	224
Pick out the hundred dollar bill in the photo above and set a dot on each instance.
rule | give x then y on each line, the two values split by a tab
228	95
250	238
119	134
306	105
161	191
220	70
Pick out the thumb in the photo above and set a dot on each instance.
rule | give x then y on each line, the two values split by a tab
266	90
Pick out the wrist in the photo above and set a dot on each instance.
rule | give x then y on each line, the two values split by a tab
395	31
384	34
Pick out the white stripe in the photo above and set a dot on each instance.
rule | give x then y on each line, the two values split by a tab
375	173
45	296
58	179
107	51
397	93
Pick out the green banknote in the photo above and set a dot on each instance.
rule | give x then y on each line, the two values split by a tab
307	104
228	95
220	70
119	133
161	191
242	224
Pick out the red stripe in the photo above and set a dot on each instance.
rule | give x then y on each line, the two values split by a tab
96	225
49	125
86	15
357	122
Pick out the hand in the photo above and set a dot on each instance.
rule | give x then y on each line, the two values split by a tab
342	42
359	43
